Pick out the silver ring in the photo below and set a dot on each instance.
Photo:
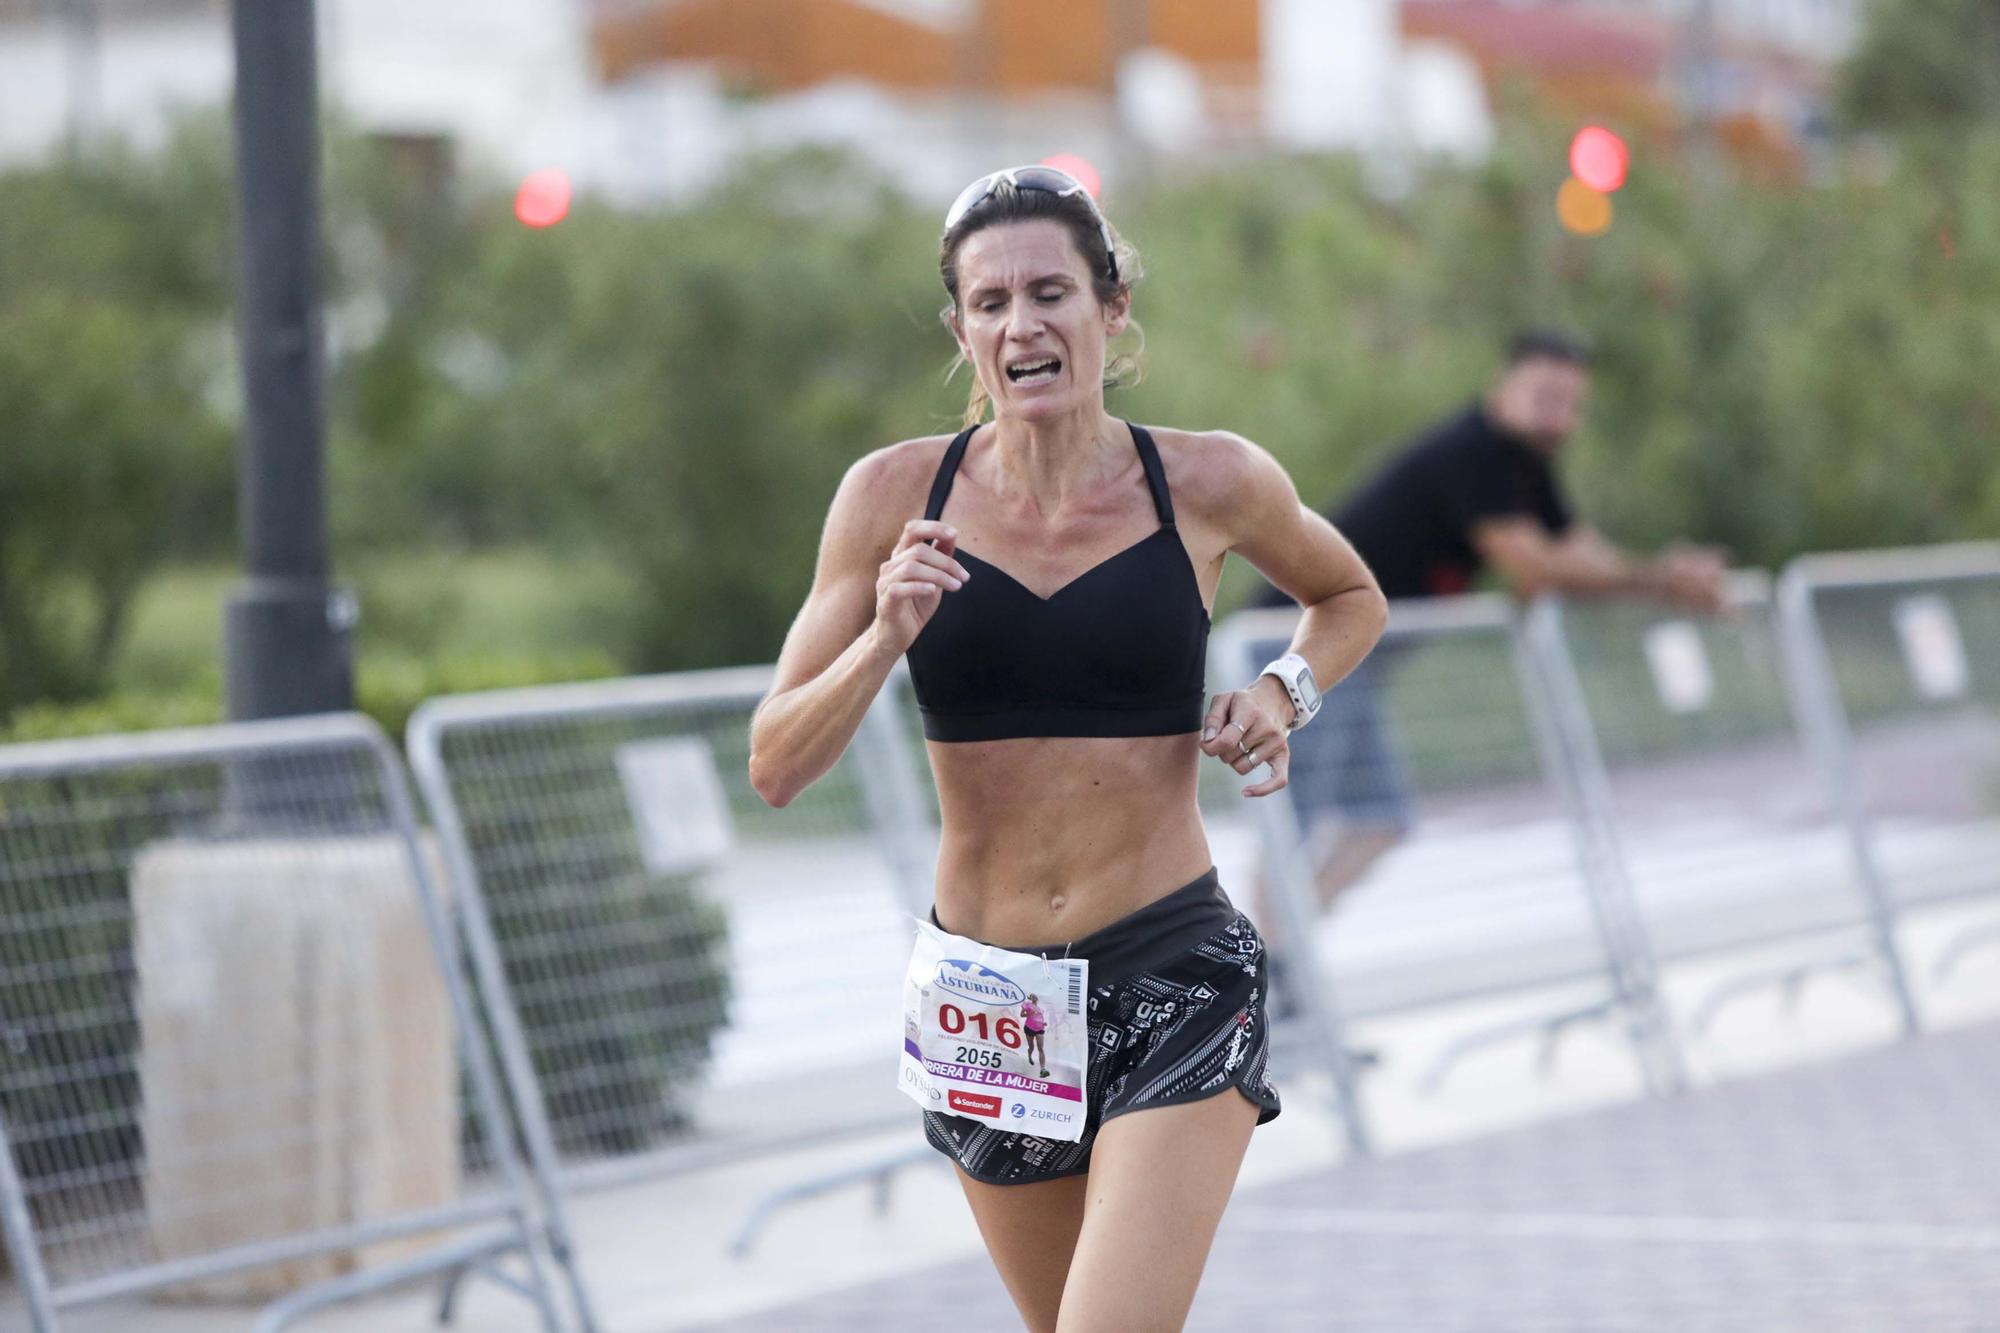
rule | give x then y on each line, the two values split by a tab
1245	749
1239	726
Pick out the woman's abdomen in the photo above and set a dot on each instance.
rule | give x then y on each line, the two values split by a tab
1046	839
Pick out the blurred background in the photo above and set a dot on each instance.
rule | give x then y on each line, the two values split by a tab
617	290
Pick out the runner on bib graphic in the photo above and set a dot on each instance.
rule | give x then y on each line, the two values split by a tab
1036	1023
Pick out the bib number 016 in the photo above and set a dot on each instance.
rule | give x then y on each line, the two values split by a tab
954	1021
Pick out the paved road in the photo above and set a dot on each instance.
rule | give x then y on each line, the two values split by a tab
1861	1195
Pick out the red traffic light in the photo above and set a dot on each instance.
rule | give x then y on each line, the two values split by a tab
1599	158
543	199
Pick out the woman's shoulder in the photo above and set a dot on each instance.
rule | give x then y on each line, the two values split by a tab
887	477
883	490
1210	470
905	460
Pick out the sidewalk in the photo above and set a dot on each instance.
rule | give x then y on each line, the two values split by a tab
1851	1196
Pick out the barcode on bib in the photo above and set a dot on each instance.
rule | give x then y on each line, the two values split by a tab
1075	991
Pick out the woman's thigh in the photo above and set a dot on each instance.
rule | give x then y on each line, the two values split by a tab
1159	1180
1030	1230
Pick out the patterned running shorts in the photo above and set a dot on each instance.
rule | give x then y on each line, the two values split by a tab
1176	1014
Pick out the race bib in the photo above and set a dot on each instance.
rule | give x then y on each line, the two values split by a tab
996	1036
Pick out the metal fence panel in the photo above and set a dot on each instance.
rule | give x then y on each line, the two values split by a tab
1697	773
237	1057
1483	890
1439	756
692	973
1900	678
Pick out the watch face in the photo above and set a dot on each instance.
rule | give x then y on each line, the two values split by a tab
1308	689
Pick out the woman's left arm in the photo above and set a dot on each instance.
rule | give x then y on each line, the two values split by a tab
1256	507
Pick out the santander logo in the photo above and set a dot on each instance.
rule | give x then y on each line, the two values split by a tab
974	1103
981	985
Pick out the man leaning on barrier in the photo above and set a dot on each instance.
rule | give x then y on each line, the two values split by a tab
1478	490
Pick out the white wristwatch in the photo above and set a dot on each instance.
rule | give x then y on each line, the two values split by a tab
1296	675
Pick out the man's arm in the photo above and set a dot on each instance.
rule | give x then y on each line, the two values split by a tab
1582	561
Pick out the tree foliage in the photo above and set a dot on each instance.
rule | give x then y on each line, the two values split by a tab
1781	369
685	389
112	447
1925	64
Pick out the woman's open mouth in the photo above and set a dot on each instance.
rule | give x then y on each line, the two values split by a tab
1039	371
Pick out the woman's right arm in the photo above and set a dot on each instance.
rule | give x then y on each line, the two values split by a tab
863	612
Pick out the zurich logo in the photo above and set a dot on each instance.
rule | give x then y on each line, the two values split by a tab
981	985
1020	1109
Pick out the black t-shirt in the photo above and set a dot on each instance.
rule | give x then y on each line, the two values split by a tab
1412	521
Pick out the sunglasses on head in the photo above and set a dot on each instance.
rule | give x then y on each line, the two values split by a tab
1048	180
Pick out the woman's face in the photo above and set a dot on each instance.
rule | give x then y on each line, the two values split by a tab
1029	320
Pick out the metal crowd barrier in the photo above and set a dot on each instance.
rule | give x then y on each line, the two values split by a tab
238	1044
1441	755
894	777
1693	770
681	960
1896	659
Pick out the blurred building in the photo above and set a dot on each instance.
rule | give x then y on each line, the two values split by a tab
938	90
505	83
1755	70
654	99
1819	30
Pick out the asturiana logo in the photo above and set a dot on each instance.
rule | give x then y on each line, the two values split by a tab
981	985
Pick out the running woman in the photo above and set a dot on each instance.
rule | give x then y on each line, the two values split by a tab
1049	572
1035	1023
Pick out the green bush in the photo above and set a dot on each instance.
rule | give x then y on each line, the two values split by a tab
619	1075
114	714
114	365
109	449
620	975
389	688
69	1032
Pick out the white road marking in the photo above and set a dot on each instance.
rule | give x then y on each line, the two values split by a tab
1598	1226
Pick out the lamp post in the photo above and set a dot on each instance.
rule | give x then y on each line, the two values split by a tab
287	634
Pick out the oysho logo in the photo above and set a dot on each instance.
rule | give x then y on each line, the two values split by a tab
974	1103
981	985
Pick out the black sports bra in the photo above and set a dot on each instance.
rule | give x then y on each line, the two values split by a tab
1119	650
